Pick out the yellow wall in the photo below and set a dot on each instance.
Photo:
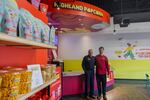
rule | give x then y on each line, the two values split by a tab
128	69
72	65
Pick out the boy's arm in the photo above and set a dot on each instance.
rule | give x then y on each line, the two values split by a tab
107	66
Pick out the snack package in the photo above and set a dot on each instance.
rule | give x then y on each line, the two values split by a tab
44	75
43	8
26	25
37	29
0	94
1	12
45	33
24	87
10	79
52	35
10	93
0	82
36	3
46	72
10	19
53	69
25	74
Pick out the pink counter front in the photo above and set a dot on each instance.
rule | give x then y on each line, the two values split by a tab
73	83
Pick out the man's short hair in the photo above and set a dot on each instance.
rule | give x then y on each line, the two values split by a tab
101	48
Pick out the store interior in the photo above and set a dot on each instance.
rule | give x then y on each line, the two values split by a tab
43	44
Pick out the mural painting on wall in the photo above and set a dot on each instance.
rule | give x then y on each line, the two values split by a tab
133	52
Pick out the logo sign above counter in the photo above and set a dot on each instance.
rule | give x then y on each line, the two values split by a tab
77	7
70	17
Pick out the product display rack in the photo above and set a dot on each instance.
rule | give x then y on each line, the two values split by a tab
17	51
25	96
6	40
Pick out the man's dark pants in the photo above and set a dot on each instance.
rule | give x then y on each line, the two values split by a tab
101	84
89	82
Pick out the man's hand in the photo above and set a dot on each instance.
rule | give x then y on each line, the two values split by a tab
108	73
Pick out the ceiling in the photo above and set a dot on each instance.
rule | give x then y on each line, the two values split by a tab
135	10
115	7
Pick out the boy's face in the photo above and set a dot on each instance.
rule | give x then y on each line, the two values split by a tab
101	50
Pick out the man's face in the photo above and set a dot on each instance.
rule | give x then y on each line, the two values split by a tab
91	52
101	50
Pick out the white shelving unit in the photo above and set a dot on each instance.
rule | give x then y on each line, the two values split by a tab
6	40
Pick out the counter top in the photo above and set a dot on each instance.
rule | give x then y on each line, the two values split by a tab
65	74
75	73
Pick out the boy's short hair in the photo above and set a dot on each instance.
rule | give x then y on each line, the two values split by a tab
101	48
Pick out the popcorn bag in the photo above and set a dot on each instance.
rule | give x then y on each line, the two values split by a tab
26	29
10	92
1	12
37	29
10	19
0	81
10	78
24	87
52	35
45	33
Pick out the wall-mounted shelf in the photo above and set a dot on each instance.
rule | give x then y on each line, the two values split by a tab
6	40
25	96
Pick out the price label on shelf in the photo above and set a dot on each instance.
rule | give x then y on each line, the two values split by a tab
37	79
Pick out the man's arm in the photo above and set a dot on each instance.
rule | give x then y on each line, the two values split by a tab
83	64
95	63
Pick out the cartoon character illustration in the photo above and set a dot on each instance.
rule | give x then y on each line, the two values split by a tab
129	51
118	53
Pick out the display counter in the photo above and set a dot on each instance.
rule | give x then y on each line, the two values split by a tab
73	83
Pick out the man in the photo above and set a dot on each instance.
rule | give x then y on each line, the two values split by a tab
88	67
102	69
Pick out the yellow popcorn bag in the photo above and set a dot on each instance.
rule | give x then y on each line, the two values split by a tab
10	93
25	74
0	81
24	87
10	79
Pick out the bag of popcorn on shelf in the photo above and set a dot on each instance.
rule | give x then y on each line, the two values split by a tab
45	33
10	18
52	35
26	29
37	30
1	12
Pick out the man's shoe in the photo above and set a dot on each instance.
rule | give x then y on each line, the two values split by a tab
104	97
92	97
98	97
87	98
